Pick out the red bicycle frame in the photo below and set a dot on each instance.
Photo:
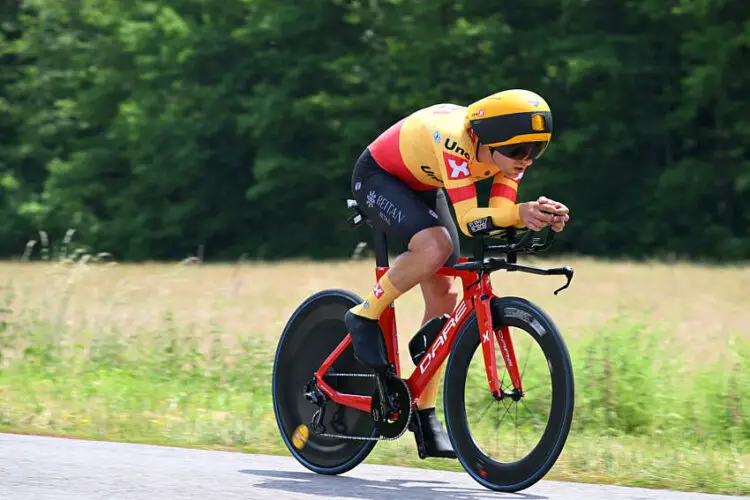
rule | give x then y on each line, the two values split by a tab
477	296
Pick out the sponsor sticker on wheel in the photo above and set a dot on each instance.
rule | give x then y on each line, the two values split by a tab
300	436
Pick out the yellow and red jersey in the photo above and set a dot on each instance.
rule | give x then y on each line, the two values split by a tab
436	147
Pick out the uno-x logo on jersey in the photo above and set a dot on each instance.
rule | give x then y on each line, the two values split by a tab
458	168
378	290
452	145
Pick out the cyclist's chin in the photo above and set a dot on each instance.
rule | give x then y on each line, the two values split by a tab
514	172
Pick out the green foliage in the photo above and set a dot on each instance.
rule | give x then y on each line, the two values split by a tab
617	394
630	382
641	418
154	128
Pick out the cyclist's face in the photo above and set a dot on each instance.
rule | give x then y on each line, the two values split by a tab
510	167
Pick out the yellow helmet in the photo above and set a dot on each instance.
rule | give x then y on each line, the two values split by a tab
517	123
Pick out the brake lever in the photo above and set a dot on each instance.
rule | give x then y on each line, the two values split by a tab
568	272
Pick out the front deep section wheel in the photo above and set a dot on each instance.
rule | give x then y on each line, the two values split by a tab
312	333
508	444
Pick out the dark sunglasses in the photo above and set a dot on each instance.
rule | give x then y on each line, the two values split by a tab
522	151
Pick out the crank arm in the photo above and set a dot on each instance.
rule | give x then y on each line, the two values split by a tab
385	407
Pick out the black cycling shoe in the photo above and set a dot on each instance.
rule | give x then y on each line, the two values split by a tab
436	440
367	341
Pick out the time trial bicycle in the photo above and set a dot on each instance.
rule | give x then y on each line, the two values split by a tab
331	410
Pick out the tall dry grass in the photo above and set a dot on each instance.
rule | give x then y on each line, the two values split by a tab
698	308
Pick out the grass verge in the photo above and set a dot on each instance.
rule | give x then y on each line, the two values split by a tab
643	418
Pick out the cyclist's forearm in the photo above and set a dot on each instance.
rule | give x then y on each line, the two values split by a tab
503	203
501	216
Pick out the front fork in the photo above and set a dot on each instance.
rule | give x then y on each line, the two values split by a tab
487	332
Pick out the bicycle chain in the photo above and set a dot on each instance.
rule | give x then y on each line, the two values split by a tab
368	438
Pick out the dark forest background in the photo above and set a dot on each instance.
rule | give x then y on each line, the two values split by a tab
154	128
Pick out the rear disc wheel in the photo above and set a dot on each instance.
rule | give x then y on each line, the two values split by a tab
312	333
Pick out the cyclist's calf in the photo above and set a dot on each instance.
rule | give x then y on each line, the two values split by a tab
440	295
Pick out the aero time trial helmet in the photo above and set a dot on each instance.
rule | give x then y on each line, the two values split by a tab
517	123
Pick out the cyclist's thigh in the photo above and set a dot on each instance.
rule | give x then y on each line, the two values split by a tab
392	206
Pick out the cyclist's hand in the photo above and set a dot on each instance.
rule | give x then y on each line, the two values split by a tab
534	217
560	211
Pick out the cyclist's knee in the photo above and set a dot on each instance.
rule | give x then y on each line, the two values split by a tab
434	245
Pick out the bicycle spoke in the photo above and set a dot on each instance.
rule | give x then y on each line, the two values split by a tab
536	420
515	439
545	395
523	371
505	387
522	436
497	434
485	409
526	390
507	411
521	427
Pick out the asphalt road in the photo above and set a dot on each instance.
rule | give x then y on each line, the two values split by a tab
42	468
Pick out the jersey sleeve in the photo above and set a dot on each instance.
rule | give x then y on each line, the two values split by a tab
459	185
503	198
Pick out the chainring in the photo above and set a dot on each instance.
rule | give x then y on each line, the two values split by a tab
394	424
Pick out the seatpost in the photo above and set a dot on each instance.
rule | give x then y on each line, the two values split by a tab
380	245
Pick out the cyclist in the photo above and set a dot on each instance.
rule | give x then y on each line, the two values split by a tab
400	181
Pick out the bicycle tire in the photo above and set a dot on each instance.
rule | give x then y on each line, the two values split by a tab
521	474
311	334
